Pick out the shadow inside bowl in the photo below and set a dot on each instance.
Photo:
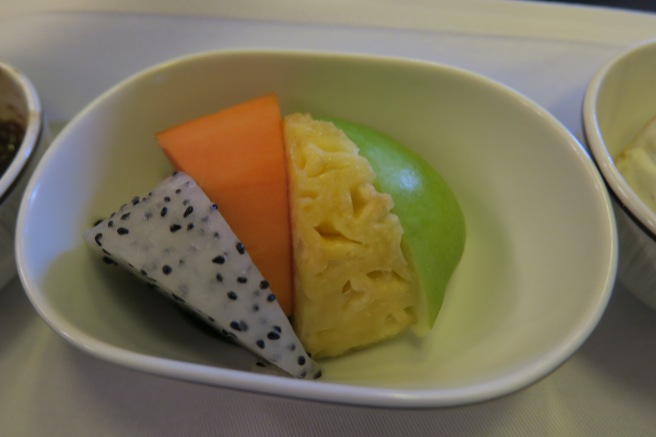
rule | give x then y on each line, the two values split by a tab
110	305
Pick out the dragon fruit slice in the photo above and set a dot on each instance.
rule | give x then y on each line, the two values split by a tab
176	239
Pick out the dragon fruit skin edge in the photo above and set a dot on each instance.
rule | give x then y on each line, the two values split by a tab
175	239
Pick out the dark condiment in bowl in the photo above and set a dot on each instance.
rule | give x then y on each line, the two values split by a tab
11	136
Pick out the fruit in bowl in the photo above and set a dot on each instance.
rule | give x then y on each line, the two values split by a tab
361	273
637	164
524	184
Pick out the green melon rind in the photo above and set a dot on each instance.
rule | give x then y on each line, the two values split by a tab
431	217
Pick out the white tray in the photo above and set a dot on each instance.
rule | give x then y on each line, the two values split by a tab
76	49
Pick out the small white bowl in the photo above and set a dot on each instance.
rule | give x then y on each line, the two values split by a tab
619	101
19	105
539	262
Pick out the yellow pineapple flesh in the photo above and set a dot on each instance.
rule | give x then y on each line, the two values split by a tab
353	284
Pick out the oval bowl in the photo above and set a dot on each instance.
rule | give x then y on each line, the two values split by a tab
619	100
535	278
19	105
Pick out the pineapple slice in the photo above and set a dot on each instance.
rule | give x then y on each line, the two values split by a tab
354	286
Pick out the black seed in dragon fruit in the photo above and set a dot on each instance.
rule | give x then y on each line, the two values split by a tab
175	239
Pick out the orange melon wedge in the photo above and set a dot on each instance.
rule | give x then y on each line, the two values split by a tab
237	157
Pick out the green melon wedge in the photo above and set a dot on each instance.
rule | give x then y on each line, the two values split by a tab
432	220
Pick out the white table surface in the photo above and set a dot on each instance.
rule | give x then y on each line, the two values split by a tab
75	49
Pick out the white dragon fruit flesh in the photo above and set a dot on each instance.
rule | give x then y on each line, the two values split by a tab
176	239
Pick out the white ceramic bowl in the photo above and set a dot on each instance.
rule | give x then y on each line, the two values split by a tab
539	261
19	105
620	99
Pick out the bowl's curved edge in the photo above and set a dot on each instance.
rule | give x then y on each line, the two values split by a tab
623	194
33	130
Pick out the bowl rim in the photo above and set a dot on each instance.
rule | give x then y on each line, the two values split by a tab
625	197
33	129
330	392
